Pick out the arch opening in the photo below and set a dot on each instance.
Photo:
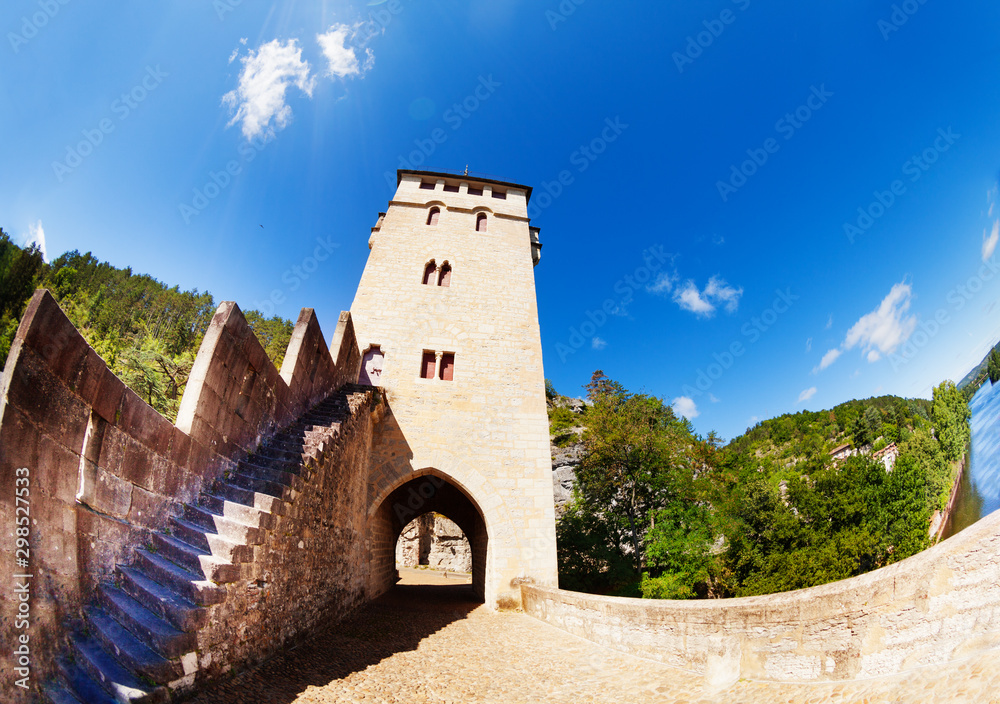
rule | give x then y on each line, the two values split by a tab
430	493
433	541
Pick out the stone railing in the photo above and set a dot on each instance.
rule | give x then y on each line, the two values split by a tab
935	607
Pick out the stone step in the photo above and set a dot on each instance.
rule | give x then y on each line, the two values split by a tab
290	466
158	634
287	444
56	692
162	601
272	455
230	529
247	497
210	541
196	560
121	684
83	686
130	651
261	485
189	585
241	513
295	481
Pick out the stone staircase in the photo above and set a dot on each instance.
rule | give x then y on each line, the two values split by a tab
140	638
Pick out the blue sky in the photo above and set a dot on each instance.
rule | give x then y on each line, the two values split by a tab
782	205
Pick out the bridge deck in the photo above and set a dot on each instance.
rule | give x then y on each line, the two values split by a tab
428	641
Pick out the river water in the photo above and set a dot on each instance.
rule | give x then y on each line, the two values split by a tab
979	491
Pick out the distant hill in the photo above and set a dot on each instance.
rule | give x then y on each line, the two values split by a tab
975	378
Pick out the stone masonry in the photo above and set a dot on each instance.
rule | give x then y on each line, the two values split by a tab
484	433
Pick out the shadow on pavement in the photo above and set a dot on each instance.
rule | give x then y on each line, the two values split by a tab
395	622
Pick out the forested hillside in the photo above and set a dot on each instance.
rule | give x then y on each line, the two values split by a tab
147	332
662	512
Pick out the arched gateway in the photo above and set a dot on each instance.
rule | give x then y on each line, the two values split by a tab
467	430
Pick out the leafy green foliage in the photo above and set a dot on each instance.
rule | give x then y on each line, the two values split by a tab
147	333
672	515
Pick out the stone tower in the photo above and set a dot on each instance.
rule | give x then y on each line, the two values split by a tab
447	321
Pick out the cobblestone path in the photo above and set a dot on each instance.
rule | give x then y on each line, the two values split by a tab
431	643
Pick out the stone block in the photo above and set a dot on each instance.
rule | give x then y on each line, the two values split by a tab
112	495
109	397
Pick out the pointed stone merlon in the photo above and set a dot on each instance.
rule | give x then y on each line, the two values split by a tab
105	469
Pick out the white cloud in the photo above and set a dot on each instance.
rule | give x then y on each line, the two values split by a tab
232	57
809	345
885	328
342	59
688	298
829	323
807	394
664	283
990	243
598	343
36	235
267	73
829	358
685	407
704	303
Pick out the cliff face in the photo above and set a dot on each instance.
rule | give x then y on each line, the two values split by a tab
565	433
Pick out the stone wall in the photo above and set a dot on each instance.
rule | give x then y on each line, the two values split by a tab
311	568
106	469
934	607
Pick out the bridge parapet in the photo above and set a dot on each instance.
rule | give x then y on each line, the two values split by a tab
938	606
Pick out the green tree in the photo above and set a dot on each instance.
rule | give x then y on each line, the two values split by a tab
993	367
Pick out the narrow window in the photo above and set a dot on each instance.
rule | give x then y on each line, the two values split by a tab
451	188
432	217
445	278
429	272
481	222
447	367
475	191
502	195
371	367
428	185
427	365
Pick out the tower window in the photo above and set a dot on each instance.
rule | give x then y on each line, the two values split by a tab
447	366
433	216
502	195
481	222
451	188
428	185
445	278
429	272
427	364
475	191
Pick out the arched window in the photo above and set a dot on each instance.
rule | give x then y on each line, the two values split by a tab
432	217
481	222
429	272
444	279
